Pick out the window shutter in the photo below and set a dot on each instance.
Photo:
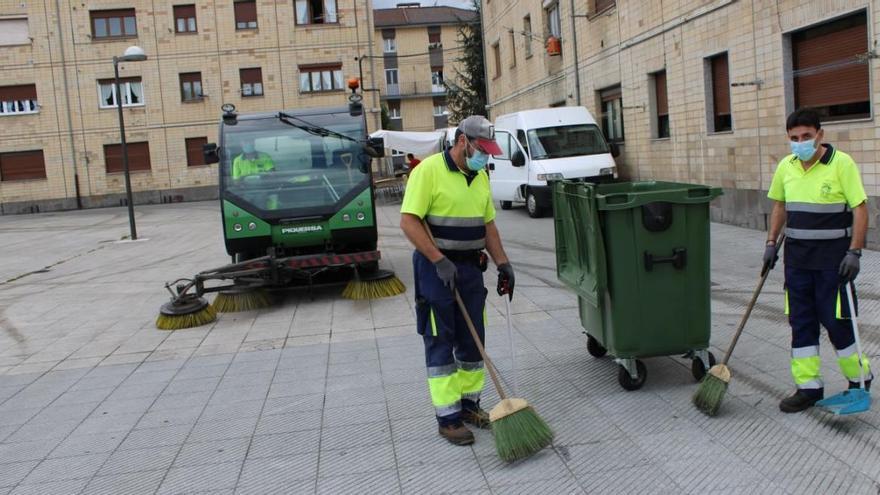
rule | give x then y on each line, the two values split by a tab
660	91
22	165
603	4
251	76
610	94
246	11
138	157
720	85
18	92
195	151
830	64
184	11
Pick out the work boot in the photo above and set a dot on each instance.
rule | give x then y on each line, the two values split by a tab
853	385
799	401
477	417
457	434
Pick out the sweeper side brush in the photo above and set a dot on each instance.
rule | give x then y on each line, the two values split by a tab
185	311
241	299
381	283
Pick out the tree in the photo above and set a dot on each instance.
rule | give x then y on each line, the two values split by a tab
386	121
466	95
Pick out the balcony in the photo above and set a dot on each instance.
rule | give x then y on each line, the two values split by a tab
413	89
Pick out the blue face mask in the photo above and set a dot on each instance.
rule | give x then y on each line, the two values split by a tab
478	161
804	149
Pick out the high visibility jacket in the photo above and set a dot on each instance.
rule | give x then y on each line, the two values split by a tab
243	166
818	206
456	206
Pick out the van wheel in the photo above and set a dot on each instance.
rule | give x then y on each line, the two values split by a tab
535	210
506	205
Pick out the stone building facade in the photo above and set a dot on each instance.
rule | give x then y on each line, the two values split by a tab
697	90
59	145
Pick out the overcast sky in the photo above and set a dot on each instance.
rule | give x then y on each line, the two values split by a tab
385	4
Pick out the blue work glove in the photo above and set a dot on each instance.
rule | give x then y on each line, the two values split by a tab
849	267
447	272
506	280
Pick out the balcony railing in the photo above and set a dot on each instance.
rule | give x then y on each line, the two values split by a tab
414	89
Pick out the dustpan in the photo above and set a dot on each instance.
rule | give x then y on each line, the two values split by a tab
856	400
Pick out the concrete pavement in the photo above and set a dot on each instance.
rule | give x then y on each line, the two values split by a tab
323	395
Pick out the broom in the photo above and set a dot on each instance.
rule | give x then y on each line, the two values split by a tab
518	429
711	391
185	311
375	285
241	299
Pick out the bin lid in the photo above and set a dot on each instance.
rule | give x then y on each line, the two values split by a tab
626	195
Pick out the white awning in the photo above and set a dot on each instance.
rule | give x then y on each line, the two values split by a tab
420	144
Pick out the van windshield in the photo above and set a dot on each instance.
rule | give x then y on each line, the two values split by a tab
567	140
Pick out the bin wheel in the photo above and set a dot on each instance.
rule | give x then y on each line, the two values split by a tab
535	210
506	205
627	381
698	369
595	348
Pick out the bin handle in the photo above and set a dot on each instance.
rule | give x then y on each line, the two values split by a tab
678	259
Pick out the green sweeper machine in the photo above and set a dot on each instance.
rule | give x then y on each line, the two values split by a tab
297	210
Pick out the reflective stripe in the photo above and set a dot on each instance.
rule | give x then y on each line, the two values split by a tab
445	370
448	410
787	308
470	366
445	390
471	382
846	352
473	396
849	366
460	245
456	221
816	207
433	324
838	310
805	370
811	384
805	352
818	234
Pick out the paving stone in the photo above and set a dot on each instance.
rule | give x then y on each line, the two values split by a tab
354	460
223	429
345	416
216	452
385	482
293	404
468	477
132	461
66	468
52	487
155	437
273	471
298	442
88	444
286	423
192	479
359	435
139	483
12	473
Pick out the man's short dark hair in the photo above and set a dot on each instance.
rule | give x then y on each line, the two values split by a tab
457	133
410	155
806	117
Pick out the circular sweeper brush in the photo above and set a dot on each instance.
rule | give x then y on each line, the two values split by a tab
185	311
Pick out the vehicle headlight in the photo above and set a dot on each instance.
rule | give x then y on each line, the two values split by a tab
549	177
237	227
252	226
606	171
361	216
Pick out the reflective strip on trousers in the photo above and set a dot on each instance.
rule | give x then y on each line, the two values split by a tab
455	221
787	307
816	207
433	324
471	378
817	234
848	361
805	352
445	389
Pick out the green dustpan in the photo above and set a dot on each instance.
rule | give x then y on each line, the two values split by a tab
856	400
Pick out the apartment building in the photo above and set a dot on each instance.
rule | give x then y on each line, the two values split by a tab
419	46
60	136
697	90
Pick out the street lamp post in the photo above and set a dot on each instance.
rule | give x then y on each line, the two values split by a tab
132	54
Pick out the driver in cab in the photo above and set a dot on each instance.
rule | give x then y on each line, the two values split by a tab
251	162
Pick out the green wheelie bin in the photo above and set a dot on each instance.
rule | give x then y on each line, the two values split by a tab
637	255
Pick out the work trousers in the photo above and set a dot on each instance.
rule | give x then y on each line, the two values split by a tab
455	368
814	297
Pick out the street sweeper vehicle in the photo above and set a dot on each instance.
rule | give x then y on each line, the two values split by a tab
297	209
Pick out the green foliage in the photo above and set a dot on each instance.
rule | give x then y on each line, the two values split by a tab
467	95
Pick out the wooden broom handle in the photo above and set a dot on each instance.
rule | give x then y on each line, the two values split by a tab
490	366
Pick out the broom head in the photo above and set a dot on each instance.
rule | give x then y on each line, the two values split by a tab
186	311
711	391
375	285
519	431
241	299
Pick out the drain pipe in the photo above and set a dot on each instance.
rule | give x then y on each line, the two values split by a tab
67	104
574	42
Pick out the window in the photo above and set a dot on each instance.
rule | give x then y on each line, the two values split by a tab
251	81
316	12
830	68
393	109
434	34
191	86
138	157
392	86
553	26
320	78
512	48
503	140
602	5
195	154
527	34
22	165
612	114
440	110
718	95
14	32
437	80
119	23
521	138
661	106
131	88
19	99
496	55
185	19
390	45
245	14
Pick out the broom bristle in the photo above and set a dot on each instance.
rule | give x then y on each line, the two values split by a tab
178	322
710	394
233	302
521	434
373	289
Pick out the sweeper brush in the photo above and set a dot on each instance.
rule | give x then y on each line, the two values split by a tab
241	299
381	283
187	311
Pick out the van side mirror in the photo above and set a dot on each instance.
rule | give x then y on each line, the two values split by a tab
615	150
210	153
376	147
518	159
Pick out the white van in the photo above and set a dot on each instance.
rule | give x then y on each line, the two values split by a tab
547	144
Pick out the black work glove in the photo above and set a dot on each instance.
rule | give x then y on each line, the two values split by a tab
849	267
447	271
506	280
770	257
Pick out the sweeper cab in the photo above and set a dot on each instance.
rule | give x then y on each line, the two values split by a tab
297	206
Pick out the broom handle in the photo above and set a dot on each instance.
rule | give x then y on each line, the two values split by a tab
855	324
745	317
490	366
